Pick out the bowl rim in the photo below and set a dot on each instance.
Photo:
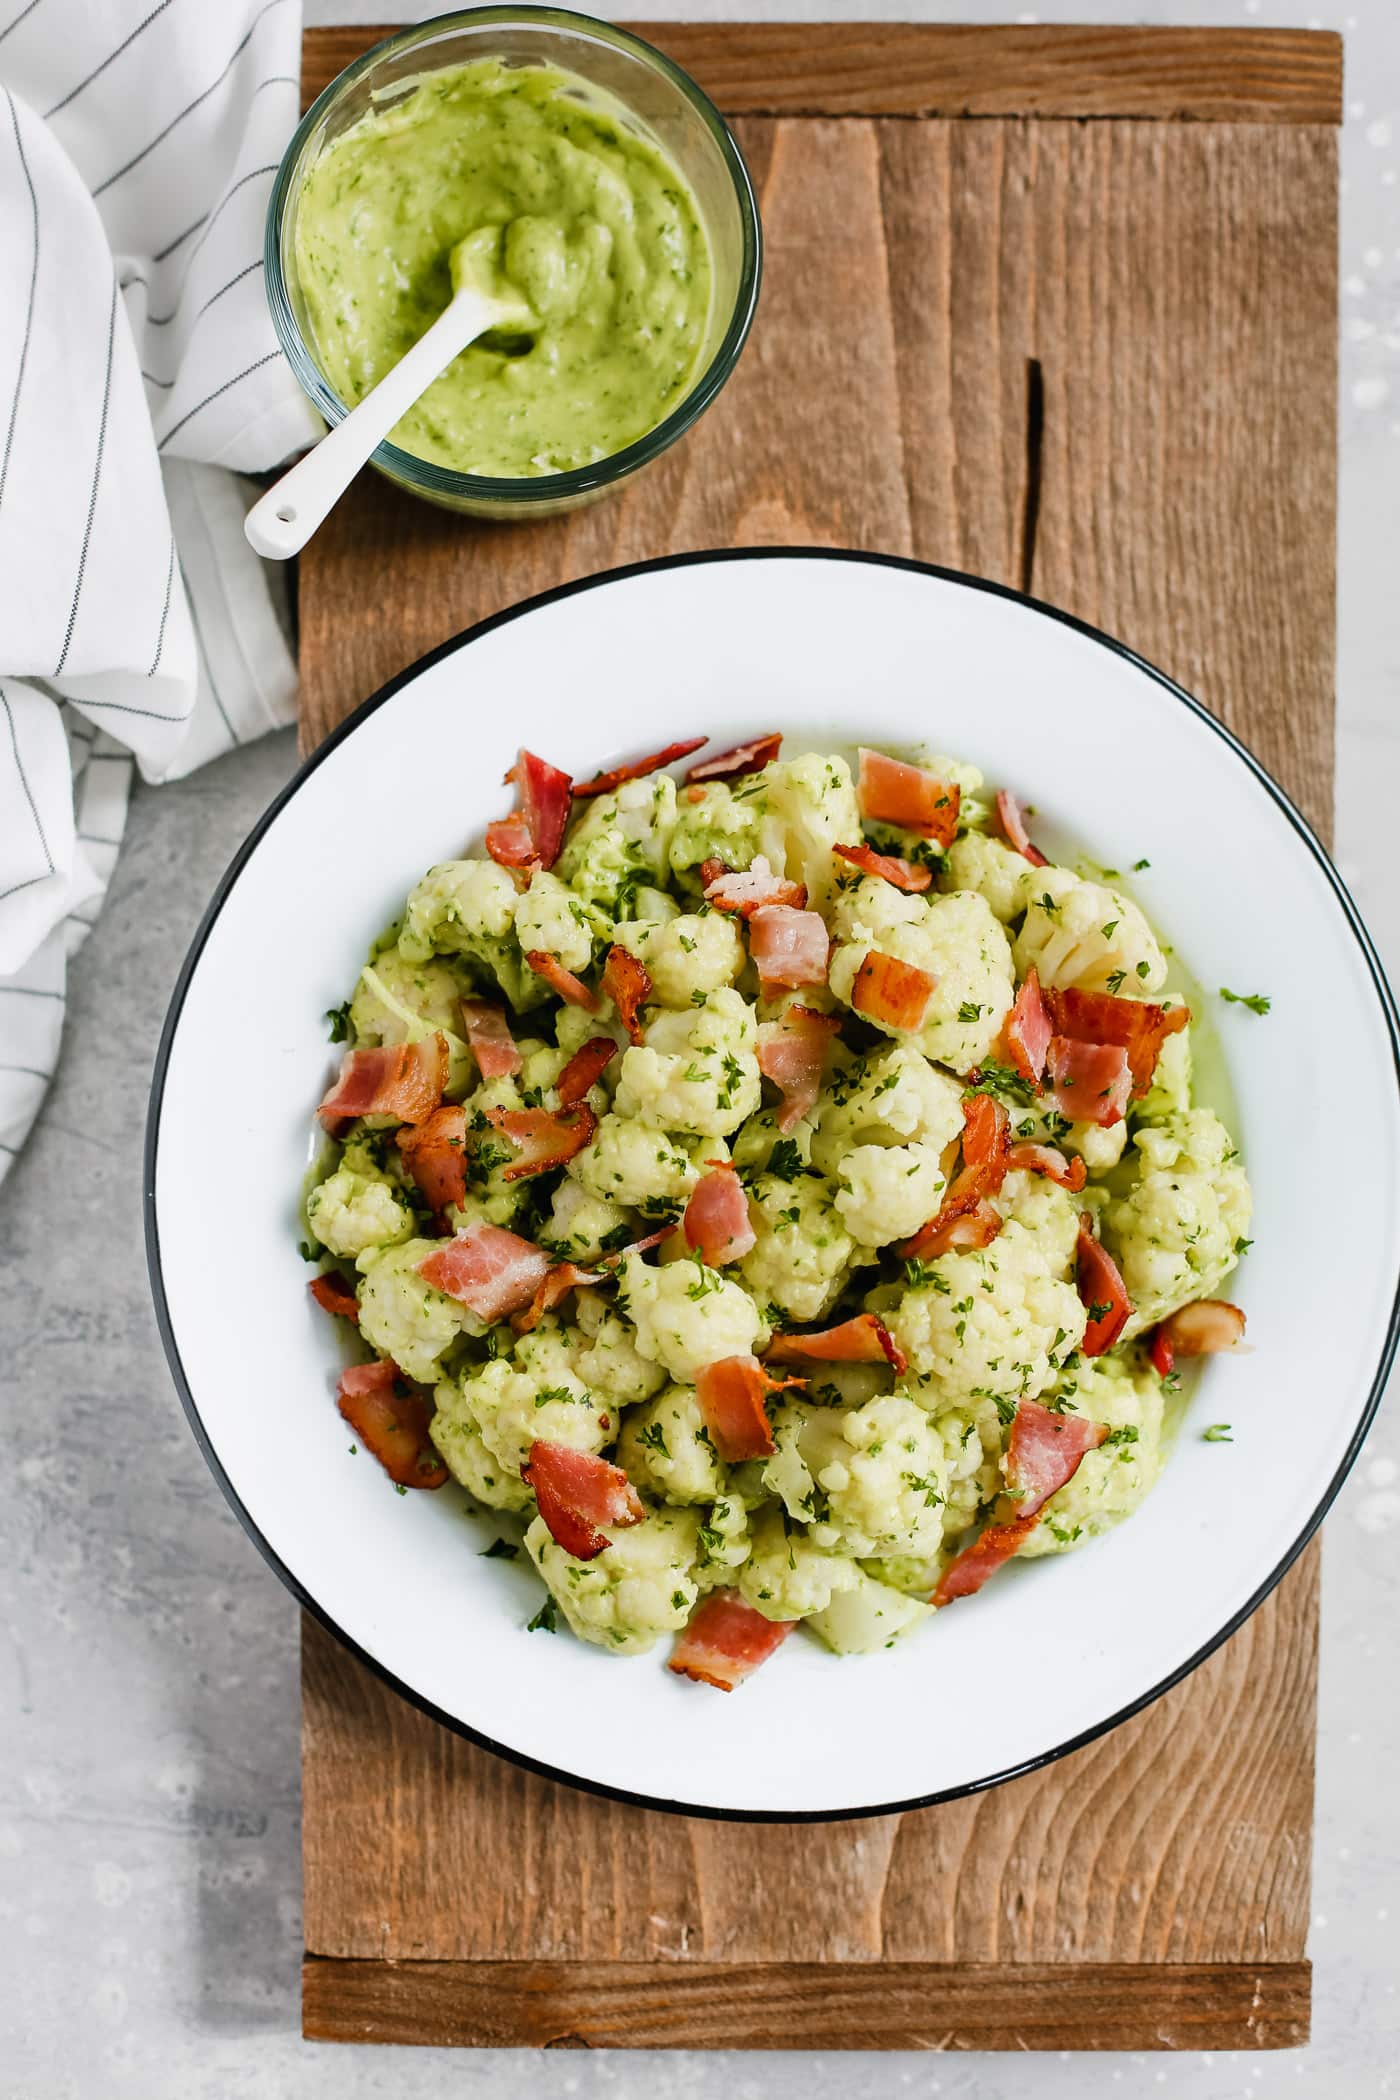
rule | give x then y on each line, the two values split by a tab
427	475
1385	997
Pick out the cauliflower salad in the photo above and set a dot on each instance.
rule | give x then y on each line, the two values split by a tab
777	1192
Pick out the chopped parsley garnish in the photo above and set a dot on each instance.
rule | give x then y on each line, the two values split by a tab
652	1438
968	1013
1115	979
500	1549
1243	1246
546	1619
1257	1002
1218	1433
785	1161
993	1078
1127	1434
1139	865
339	1018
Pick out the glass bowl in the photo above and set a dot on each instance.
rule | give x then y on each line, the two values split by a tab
664	102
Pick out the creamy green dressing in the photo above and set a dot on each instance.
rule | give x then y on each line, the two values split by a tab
585	217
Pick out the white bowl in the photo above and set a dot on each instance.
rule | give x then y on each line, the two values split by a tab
830	648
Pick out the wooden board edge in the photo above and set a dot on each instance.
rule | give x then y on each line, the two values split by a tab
871	2005
903	69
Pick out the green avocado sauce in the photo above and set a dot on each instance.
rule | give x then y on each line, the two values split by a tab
581	214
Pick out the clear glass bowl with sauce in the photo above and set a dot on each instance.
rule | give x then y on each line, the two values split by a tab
665	105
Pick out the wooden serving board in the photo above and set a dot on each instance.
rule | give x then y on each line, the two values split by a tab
1096	359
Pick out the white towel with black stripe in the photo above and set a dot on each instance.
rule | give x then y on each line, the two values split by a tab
139	373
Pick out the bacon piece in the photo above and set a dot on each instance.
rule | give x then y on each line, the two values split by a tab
1027	1030
893	992
638	768
726	1641
862	1340
334	1294
1136	1025
1161	1354
1044	1159
792	1053
891	792
966	1226
1043	1452
533	836
1202	1328
1088	1082
490	1270
436	1156
743	758
396	1079
584	1069
1012	819
964	1218
572	990
888	867
391	1424
577	1492
986	1140
627	983
789	947
747	890
544	1137
716	1218
492	1044
564	1277
1102	1289
642	1246
731	1394
965	1574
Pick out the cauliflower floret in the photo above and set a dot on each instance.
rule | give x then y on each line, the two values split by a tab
549	916
468	1458
579	1224
1047	1211
886	1192
995	870
666	1448
802	1254
999	1320
894	1097
870	1481
397	1001
687	1315
974	804
1174	1233
403	1317
811	802
620	840
641	1586
755	1145
1100	1146
696	1070
350	1212
538	1394
1170	1091
958	942
1079	933
724	824
634	1163
724	1536
786	1575
692	953
467	907
491	1199
606	1353
1109	1483
868	1616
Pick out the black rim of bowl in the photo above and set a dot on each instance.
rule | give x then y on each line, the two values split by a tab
377	700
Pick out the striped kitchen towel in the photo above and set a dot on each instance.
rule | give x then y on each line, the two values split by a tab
138	366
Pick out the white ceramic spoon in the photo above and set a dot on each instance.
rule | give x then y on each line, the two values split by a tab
282	521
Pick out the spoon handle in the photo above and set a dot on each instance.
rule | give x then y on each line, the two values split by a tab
283	520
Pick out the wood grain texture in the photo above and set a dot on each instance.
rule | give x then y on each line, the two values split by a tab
782	2006
1101	358
903	69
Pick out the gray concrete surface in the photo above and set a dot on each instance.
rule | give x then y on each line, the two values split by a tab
149	1869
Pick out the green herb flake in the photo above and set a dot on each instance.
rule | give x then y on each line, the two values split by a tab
339	1019
1218	1433
499	1549
546	1619
1257	1002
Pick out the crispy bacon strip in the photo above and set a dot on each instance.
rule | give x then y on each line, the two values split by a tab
490	1270
792	1052
544	1137
1136	1026
533	836
564	1277
862	1340
1012	819
390	1423
395	1079
509	842
1161	1354
986	1140
964	1218
577	1493
1102	1289
628	984
731	1394
747	890
788	947
435	1154
572	990
1044	1159
891	792
334	1294
888	867
1203	1328
893	992
743	758
1027	1030
998	1543
716	1220
641	1246
584	1069
726	1641
638	768
1043	1452
1088	1082
492	1044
